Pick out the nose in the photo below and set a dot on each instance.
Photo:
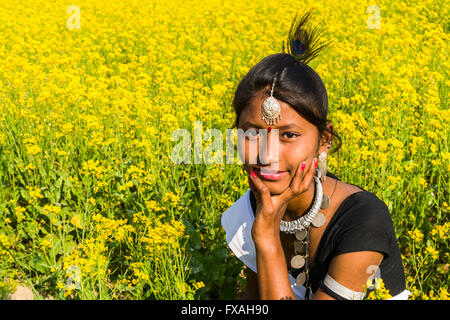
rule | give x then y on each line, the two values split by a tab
268	149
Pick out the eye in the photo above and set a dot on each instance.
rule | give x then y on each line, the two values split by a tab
290	135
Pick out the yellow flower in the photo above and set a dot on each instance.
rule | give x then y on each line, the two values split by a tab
51	209
198	285
76	221
416	235
410	167
68	292
35	192
32	149
433	252
4	240
92	201
126	186
20	213
45	243
30	166
379	292
152	206
443	294
423	182
171	198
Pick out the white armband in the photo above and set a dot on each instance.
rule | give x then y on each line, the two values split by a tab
338	291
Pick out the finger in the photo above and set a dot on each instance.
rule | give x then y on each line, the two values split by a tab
298	178
309	176
251	184
294	187
301	181
262	192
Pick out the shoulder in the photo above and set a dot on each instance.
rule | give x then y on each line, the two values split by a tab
364	223
365	207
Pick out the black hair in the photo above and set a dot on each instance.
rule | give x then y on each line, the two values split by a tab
296	84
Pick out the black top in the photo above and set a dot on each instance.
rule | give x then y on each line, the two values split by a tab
361	223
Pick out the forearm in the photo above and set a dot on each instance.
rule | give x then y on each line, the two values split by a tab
273	278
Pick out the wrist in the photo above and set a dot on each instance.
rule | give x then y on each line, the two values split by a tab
265	236
267	243
268	249
263	231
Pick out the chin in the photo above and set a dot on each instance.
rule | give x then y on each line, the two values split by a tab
276	187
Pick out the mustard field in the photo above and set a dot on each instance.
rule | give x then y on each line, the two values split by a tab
92	205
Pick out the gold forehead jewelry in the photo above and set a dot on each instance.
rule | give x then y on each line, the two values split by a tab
271	110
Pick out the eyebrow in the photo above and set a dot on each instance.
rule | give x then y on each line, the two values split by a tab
287	126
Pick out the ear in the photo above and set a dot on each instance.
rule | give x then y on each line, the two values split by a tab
325	139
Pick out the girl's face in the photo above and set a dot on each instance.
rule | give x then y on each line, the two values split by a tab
297	142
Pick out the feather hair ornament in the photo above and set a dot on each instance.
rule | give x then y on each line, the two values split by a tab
304	41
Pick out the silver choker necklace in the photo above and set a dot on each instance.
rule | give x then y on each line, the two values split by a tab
312	216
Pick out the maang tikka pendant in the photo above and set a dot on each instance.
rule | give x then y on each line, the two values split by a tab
271	109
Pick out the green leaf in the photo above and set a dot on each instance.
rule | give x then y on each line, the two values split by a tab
58	185
38	263
196	243
221	253
25	194
69	245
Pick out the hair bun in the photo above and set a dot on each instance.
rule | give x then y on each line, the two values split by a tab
304	41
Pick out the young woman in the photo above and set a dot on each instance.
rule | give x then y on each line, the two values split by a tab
301	235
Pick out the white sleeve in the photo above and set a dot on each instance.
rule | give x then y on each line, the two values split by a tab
237	222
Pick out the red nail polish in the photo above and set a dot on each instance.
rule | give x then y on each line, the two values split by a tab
253	174
315	162
303	166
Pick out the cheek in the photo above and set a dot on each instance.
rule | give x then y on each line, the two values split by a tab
293	155
247	151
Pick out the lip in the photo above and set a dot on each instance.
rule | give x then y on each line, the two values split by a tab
270	175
